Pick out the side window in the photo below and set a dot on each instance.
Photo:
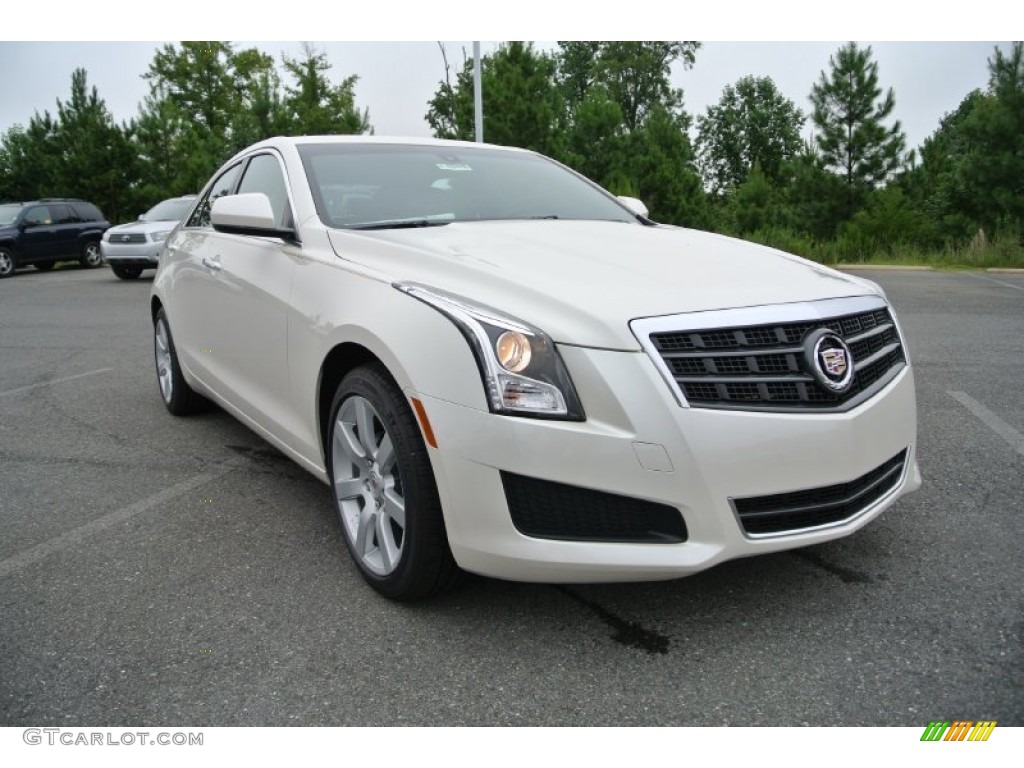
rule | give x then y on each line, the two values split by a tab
264	175
38	215
62	214
222	186
87	212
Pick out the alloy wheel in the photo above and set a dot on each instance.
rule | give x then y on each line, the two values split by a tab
164	362
368	486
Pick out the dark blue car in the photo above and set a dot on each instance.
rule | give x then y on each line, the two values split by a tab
46	231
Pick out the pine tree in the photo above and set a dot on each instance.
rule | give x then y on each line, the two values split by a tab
853	138
314	105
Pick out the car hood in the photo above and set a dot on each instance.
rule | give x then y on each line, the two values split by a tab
142	227
583	281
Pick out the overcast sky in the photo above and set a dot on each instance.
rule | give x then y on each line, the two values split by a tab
396	79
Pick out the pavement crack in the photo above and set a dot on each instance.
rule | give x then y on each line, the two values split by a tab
629	633
848	575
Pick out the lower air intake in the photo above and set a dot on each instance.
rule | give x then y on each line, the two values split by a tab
547	510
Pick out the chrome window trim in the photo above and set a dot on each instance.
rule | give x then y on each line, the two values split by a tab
742	317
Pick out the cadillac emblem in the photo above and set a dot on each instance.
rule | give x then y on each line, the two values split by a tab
829	360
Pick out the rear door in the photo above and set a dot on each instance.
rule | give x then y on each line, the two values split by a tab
67	225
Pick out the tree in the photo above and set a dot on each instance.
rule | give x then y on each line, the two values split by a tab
30	160
97	161
625	126
198	79
815	200
933	185
989	180
660	163
314	105
852	136
262	113
636	74
752	124
79	153
199	82
521	102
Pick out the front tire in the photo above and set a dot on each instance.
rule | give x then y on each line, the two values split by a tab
91	255
177	395
383	489
127	273
6	263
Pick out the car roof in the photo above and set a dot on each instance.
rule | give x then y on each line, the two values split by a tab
277	142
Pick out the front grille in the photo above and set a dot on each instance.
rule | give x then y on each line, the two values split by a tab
548	510
763	367
116	238
813	507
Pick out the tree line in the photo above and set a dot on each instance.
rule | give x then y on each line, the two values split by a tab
853	191
206	101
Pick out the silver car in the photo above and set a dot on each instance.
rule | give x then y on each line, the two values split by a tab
131	248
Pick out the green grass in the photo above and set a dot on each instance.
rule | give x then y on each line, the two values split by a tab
1005	251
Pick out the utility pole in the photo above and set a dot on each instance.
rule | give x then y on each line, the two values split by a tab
478	93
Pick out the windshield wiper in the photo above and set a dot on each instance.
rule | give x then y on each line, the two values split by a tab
402	224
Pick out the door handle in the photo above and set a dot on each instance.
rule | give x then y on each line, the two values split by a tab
213	264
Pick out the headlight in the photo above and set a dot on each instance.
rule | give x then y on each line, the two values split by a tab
521	370
159	237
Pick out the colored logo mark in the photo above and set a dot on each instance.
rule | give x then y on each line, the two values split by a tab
958	730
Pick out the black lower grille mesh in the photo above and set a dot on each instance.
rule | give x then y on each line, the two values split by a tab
791	512
549	510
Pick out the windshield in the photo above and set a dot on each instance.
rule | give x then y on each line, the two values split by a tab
376	186
8	213
169	210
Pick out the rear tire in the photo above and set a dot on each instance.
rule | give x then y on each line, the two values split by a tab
127	273
178	396
91	255
383	489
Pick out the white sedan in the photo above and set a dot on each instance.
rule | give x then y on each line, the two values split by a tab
499	367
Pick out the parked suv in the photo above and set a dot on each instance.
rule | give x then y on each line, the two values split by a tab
131	248
46	231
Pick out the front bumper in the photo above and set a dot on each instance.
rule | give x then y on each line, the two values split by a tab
638	442
145	255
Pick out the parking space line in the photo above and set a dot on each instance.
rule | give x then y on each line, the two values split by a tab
993	280
54	381
996	424
76	535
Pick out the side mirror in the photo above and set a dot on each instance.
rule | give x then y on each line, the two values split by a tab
247	214
636	206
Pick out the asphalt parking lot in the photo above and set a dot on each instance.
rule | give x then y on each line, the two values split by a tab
160	571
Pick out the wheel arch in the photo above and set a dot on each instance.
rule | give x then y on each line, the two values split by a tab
343	357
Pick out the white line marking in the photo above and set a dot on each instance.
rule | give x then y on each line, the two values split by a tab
997	425
997	282
73	537
54	381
